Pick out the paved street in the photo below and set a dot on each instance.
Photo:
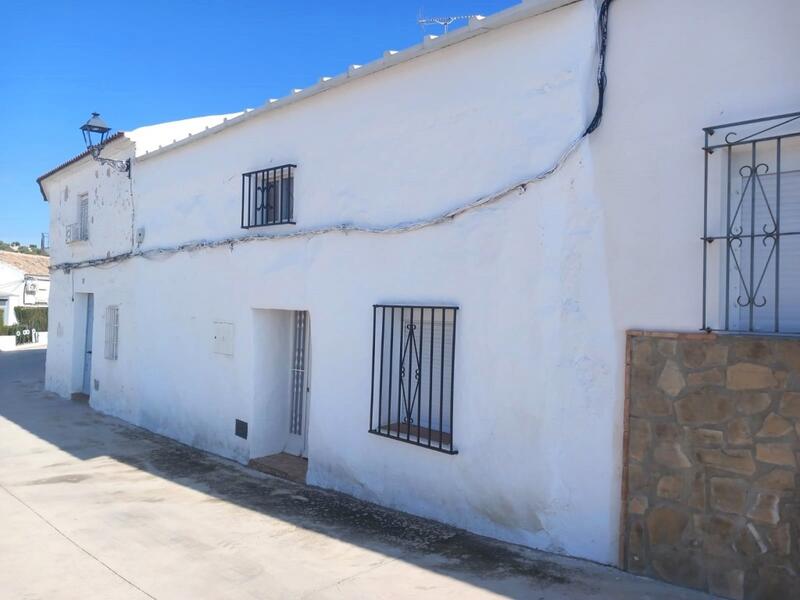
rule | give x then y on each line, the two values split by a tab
92	508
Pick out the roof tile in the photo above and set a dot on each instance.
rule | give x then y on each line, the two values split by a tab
30	264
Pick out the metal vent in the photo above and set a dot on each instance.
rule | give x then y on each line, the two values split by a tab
241	429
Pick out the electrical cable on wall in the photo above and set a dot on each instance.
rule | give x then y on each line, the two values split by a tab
405	227
602	42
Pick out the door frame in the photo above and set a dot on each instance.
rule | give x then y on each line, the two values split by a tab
86	381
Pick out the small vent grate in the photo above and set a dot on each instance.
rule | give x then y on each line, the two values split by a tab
241	429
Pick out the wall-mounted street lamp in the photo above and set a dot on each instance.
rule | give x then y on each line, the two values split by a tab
95	133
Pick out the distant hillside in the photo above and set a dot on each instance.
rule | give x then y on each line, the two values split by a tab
22	249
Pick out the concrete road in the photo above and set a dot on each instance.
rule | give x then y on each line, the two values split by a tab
93	508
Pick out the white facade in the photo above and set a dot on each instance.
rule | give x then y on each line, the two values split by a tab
24	281
546	281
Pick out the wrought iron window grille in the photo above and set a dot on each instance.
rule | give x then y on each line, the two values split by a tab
268	197
751	226
298	373
112	333
76	232
413	374
79	232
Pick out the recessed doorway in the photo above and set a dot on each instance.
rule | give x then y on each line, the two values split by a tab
279	427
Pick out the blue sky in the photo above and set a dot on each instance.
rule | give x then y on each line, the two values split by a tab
145	62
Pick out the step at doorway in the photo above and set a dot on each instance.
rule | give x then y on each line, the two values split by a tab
282	371
285	466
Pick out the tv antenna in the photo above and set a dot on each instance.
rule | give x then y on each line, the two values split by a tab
442	21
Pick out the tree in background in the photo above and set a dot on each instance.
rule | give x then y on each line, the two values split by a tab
22	249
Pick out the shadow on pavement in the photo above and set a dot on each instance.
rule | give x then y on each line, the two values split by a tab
76	428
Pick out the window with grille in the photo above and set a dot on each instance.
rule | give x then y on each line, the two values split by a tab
79	231
751	240
84	217
268	197
413	374
112	332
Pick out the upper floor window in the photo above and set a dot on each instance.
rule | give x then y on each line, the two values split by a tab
79	230
751	248
413	374
268	197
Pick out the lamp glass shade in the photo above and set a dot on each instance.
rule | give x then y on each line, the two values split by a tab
95	131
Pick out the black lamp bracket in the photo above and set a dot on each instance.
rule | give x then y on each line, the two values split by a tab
123	166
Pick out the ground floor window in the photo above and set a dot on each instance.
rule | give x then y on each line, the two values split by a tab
413	374
112	332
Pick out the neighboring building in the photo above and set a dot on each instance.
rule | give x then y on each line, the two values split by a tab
24	281
347	259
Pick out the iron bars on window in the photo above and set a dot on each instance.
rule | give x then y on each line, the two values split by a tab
268	197
413	374
112	333
751	226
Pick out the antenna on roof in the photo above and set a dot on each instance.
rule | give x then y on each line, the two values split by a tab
442	21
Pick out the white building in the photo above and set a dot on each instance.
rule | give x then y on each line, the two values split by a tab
368	183
24	281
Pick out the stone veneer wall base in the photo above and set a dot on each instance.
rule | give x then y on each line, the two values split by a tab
710	466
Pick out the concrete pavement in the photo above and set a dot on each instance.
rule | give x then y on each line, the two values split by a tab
91	507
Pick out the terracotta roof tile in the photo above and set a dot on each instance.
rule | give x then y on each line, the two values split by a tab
30	264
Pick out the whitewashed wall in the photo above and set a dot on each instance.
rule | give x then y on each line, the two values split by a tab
12	286
110	232
110	206
547	281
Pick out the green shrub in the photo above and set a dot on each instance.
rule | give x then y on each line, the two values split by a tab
33	317
28	317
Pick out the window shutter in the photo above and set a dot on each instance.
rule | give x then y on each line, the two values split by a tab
788	254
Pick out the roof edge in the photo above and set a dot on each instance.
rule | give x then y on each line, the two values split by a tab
74	159
27	265
431	43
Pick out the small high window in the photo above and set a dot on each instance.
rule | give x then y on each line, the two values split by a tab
268	197
413	374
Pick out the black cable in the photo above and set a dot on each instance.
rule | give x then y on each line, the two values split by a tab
602	31
602	26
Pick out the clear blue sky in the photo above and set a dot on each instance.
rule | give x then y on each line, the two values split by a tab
144	62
